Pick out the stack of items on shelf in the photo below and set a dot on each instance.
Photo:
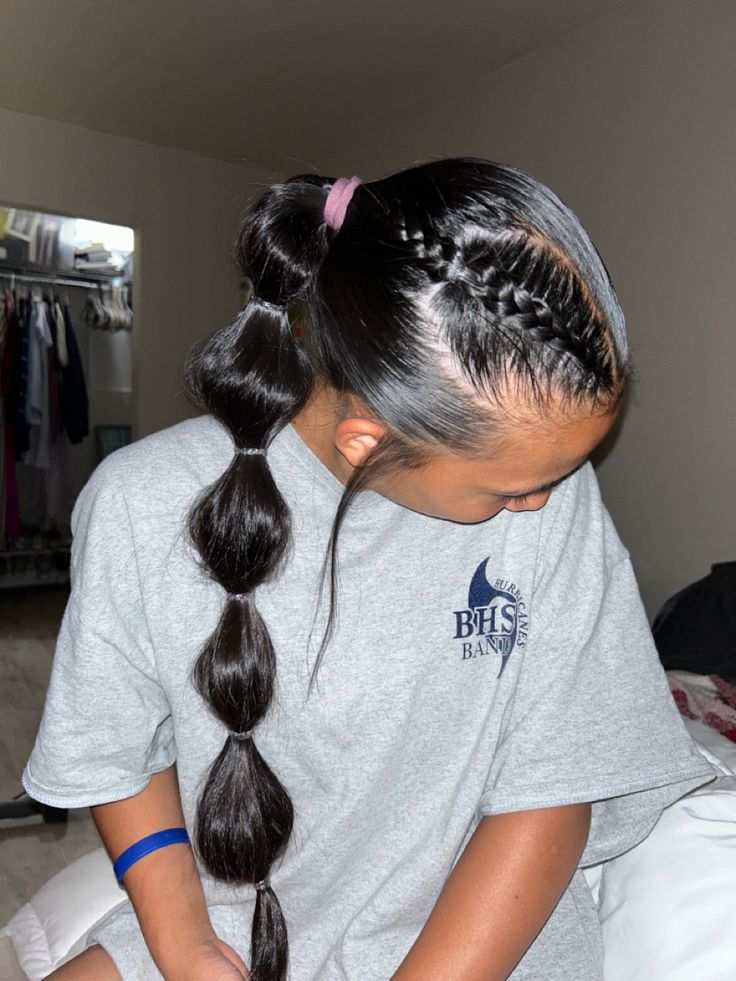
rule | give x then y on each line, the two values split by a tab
96	258
43	408
29	237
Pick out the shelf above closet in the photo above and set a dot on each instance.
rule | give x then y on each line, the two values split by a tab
32	273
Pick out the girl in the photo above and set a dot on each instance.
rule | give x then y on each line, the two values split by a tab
365	628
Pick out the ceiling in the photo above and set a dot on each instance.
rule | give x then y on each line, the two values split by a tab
288	85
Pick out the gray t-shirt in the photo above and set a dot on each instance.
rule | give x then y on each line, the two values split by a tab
474	670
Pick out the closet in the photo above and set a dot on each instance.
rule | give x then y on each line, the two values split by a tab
66	324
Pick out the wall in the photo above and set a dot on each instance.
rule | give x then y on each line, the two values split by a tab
184	209
630	120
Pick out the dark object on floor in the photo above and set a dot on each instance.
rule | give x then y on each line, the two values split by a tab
24	806
696	628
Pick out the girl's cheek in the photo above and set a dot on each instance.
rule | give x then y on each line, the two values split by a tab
477	513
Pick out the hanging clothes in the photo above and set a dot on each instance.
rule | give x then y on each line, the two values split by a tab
3	341
22	429
35	390
43	406
74	400
9	354
60	335
9	363
54	372
58	480
38	413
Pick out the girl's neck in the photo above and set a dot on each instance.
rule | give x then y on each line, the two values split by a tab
316	423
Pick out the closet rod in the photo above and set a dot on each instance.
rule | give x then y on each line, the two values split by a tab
56	280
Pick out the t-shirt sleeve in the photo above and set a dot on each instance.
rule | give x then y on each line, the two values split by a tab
591	717
106	726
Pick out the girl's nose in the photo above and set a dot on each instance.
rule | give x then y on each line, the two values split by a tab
531	503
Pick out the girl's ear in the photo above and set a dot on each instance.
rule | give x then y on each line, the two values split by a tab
356	438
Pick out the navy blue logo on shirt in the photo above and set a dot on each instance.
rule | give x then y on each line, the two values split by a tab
495	620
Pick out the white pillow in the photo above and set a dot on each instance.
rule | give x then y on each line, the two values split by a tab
721	752
668	906
54	924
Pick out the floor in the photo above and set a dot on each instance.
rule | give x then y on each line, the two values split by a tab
30	851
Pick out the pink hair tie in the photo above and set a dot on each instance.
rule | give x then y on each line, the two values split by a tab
340	196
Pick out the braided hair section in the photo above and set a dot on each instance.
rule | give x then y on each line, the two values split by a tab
533	312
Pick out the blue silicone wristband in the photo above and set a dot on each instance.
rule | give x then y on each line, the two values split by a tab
160	839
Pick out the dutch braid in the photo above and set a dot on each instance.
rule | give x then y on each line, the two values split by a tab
486	272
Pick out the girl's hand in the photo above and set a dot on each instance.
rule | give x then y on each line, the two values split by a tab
212	960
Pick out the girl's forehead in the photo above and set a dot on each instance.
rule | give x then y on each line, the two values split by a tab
527	457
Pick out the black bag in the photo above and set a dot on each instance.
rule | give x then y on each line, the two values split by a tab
696	628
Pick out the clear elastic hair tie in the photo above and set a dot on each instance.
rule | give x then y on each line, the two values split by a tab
278	308
262	885
240	737
250	451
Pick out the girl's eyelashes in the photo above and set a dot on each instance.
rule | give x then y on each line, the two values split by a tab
507	498
523	498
